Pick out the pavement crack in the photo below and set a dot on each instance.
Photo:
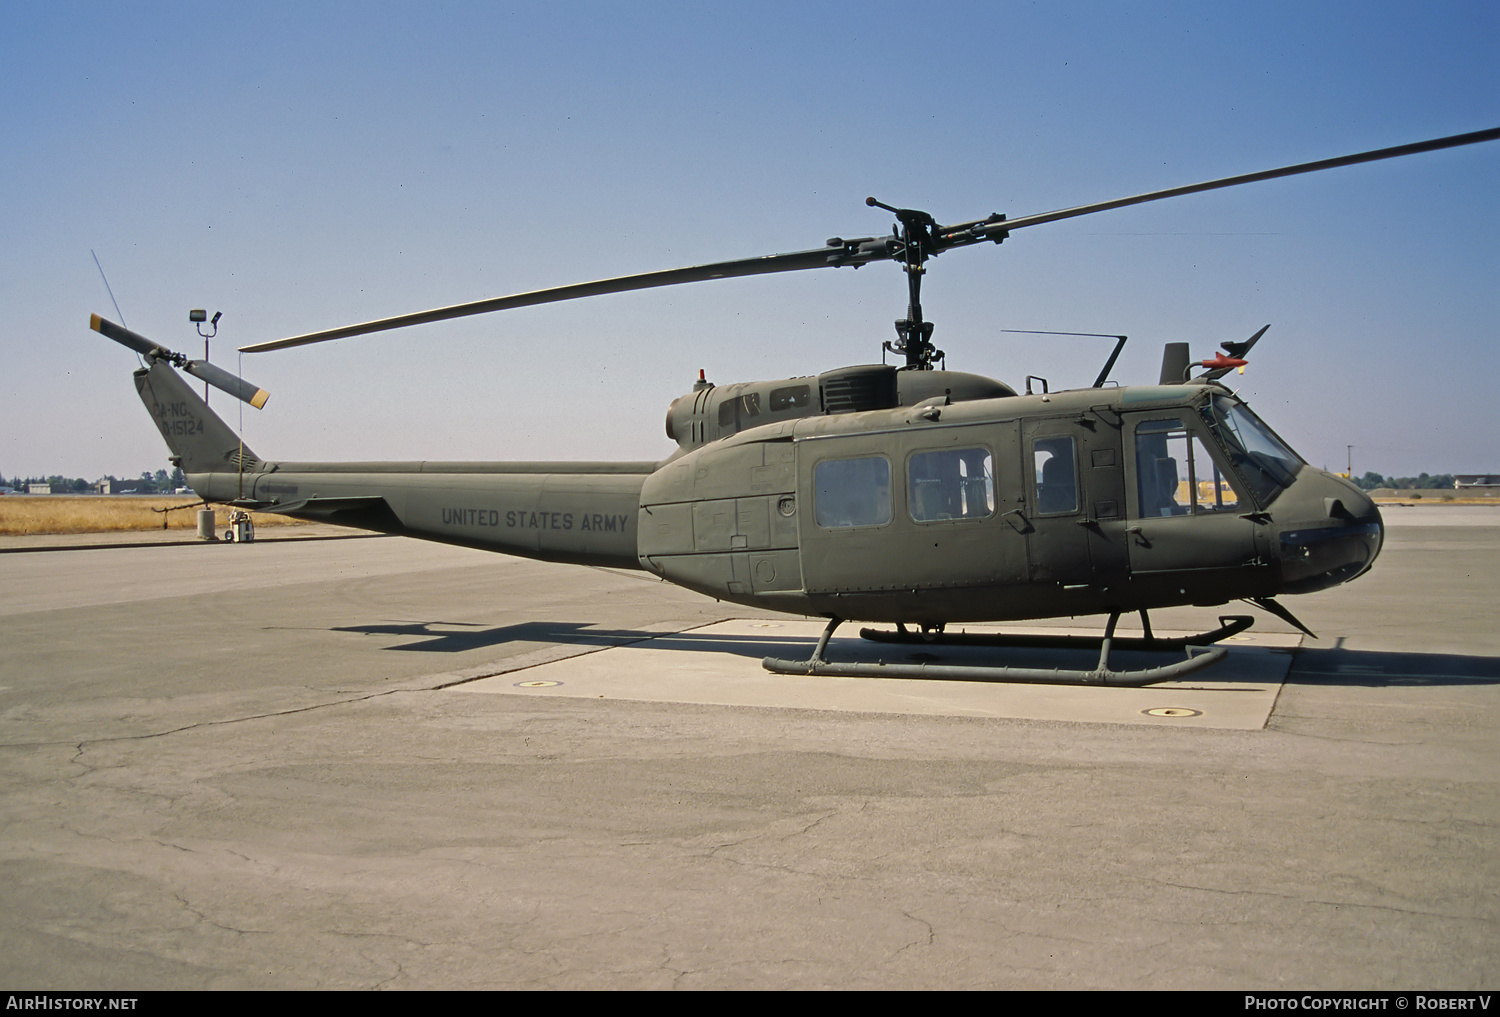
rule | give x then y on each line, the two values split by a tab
926	940
221	722
1316	901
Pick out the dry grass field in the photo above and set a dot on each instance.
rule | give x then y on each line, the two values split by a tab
60	513
1437	496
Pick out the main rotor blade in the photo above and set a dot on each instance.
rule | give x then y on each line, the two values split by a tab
984	231
854	252
843	253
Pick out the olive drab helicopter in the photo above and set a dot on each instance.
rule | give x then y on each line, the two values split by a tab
912	495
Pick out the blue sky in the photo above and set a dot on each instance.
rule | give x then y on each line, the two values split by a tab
301	166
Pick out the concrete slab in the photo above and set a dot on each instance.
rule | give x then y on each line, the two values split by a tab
720	664
245	768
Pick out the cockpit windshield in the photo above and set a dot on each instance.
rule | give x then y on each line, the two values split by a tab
1263	459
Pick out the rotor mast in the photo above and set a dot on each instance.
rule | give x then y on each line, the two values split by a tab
917	238
915	234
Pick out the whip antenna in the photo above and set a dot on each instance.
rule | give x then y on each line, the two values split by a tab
111	292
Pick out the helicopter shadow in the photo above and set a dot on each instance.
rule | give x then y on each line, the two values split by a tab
461	637
1326	665
1339	665
1255	668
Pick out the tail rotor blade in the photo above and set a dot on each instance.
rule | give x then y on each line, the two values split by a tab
122	335
226	382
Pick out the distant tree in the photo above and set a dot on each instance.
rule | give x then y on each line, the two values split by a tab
1422	482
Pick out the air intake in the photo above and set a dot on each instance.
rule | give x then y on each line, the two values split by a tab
852	389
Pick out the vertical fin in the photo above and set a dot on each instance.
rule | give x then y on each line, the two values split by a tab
199	439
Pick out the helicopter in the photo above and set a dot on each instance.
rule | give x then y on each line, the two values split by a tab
910	495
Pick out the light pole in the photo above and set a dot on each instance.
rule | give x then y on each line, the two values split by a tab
198	316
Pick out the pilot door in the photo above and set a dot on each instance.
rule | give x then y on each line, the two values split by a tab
1187	512
1074	470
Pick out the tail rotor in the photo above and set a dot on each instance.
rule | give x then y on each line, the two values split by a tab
200	369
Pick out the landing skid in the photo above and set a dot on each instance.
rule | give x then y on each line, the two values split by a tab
1198	657
1229	625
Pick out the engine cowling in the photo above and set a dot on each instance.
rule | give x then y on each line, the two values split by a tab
711	412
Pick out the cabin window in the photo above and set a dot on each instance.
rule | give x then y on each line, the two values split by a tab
1056	472
951	484
790	398
1176	475
747	405
852	492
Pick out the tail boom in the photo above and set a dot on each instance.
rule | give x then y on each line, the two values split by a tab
588	516
583	513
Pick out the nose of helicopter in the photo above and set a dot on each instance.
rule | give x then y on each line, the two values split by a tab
1334	534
